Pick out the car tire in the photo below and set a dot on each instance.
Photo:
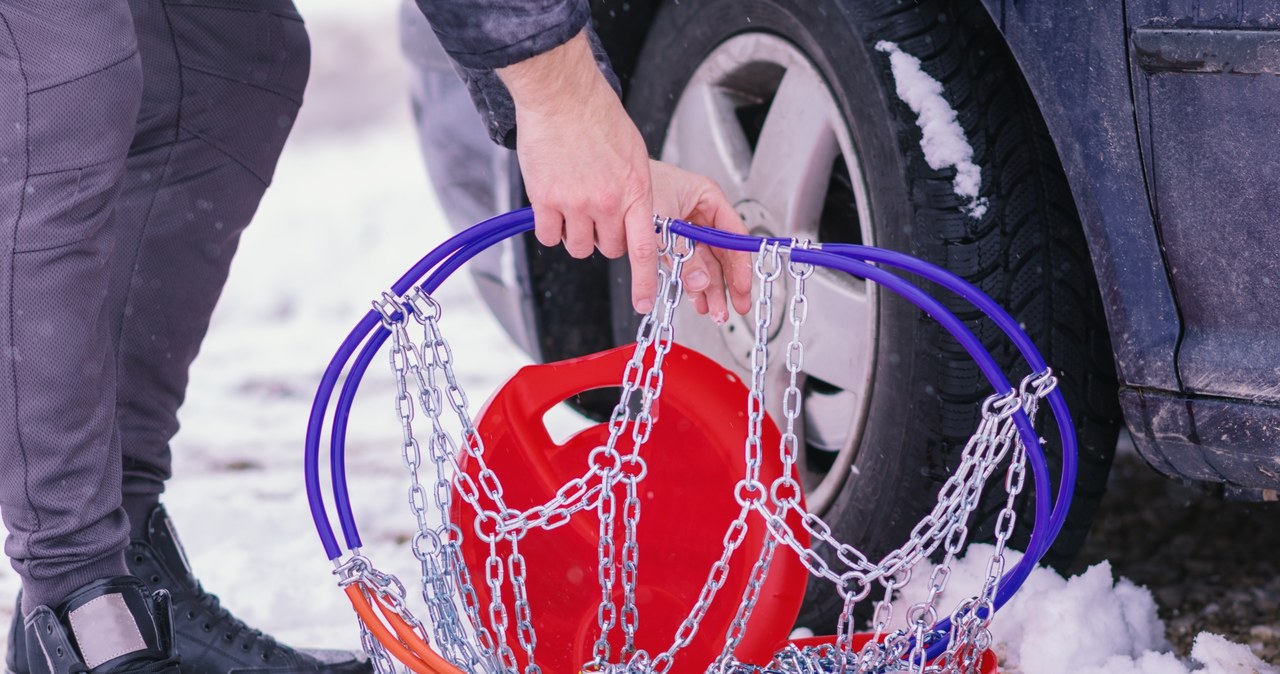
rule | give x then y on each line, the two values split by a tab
921	398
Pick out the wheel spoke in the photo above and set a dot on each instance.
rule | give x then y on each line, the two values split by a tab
837	336
793	158
706	138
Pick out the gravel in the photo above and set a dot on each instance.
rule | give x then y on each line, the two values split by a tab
1213	565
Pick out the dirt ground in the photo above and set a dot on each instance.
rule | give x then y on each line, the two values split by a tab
1212	565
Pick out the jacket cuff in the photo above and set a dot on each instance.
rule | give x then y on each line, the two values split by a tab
491	34
494	103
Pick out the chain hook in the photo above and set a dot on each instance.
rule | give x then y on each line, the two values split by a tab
389	310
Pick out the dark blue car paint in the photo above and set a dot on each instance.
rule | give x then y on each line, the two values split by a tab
1074	57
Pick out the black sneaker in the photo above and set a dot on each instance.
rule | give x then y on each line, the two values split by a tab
110	626
209	639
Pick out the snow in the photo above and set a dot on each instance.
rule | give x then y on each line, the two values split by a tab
1092	623
941	137
1220	655
347	214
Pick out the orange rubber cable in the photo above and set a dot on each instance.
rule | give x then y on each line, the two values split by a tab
416	645
425	662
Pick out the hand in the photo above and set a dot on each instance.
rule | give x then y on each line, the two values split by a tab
680	194
585	166
593	186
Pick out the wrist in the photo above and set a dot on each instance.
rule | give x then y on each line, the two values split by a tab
558	82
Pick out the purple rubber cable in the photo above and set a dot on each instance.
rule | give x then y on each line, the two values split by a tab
512	223
342	413
852	259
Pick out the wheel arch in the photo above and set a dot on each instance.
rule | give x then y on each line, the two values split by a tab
1075	60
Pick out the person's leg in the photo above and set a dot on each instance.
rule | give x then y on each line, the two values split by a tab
224	81
70	84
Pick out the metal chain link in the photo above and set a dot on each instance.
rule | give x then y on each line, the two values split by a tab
656	329
524	614
447	581
750	491
785	491
438	580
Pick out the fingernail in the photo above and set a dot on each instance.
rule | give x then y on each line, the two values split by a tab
644	305
721	317
698	280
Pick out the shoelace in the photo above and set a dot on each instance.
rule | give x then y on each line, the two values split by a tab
235	626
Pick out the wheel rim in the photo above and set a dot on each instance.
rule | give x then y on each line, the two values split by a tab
758	117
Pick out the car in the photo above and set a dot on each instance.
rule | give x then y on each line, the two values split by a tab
1128	171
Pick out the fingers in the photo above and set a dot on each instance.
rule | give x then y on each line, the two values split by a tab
548	225
713	279
699	303
611	242
579	235
737	277
708	296
642	250
735	265
698	271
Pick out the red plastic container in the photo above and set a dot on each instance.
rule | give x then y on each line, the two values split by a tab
695	459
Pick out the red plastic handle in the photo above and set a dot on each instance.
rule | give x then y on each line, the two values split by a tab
538	388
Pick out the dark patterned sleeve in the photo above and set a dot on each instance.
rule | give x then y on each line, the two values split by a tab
489	34
483	35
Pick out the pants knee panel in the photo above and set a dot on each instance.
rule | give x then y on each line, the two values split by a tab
79	133
243	74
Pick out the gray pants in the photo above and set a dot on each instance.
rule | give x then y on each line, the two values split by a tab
136	139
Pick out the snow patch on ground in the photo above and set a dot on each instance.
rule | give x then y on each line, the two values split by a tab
942	138
1087	624
1220	655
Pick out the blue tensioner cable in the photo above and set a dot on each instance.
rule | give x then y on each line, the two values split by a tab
856	260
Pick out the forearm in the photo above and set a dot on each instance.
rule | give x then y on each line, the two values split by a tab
584	163
559	83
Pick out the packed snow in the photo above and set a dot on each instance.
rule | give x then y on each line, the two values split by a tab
1092	623
941	137
349	210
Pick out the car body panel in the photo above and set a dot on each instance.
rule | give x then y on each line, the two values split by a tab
1206	98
